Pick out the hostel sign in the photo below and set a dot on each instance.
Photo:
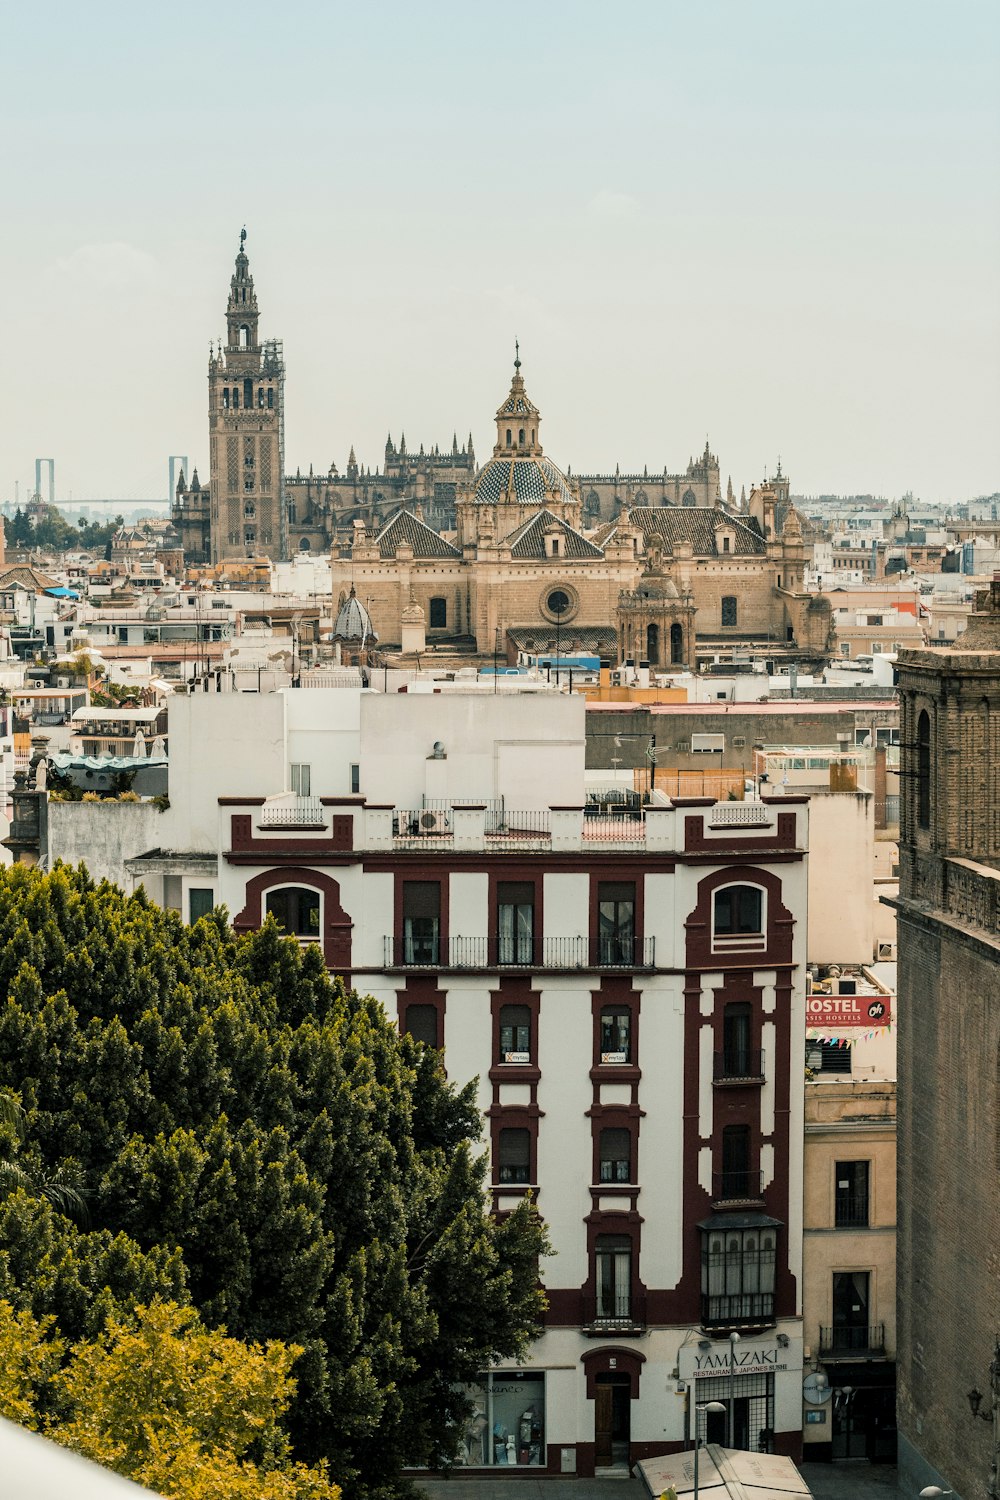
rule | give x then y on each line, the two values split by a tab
828	1012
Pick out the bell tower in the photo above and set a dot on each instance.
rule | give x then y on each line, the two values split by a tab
246	418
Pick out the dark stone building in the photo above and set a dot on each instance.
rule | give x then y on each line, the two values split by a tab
948	1207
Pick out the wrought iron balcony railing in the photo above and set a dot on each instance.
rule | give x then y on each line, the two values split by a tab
737	1187
739	1065
567	953
847	1339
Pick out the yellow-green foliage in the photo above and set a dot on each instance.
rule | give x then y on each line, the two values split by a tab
178	1407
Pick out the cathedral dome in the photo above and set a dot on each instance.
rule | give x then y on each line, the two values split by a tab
354	623
519	471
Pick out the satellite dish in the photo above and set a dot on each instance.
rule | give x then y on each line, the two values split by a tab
816	1388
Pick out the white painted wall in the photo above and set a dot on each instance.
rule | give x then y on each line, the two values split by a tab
221	745
527	749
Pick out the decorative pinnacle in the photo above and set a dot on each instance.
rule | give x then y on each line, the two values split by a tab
517	355
243	236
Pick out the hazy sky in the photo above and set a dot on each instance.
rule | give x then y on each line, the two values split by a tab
774	222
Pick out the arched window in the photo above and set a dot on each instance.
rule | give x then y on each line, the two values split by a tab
653	645
532	435
738	917
305	545
270	399
676	644
260	395
296	909
520	436
248	393
244	336
924	769
236	398
439	614
225	398
249	510
508	437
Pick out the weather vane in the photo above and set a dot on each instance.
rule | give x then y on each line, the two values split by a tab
243	235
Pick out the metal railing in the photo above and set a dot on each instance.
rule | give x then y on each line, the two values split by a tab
846	1339
297	812
613	1313
739	1065
737	1187
727	1311
521	953
851	1212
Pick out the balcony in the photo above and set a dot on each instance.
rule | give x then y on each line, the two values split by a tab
740	1310
738	1065
490	953
843	1340
624	1314
293	812
741	1187
851	1212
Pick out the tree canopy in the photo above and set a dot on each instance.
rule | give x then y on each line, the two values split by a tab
255	1139
160	1398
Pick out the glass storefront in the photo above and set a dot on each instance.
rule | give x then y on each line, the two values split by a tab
507	1424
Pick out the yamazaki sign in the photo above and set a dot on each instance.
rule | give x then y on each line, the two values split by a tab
847	1010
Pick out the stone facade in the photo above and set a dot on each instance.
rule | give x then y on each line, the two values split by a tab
949	1055
521	561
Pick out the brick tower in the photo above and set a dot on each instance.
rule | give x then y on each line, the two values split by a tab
246	401
948	1186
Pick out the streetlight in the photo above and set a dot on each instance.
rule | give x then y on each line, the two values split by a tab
713	1406
734	1339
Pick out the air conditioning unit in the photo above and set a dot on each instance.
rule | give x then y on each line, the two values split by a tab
433	822
886	952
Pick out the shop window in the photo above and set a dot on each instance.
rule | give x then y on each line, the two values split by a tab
616	1034
506	1424
513	1156
201	903
851	1195
616	922
301	779
616	1155
422	1024
737	1275
515	1034
421	921
729	609
613	1276
738	917
439	614
515	922
296	909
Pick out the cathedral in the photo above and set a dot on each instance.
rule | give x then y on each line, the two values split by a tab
513	553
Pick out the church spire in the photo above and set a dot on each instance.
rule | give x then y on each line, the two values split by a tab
241	310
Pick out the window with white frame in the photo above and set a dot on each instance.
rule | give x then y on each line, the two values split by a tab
738	917
301	779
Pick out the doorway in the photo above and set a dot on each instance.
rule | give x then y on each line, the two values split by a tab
612	1421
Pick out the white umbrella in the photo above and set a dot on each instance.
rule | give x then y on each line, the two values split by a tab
139	749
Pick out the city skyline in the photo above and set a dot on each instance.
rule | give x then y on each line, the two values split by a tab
776	230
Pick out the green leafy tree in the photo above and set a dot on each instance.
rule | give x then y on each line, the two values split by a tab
315	1173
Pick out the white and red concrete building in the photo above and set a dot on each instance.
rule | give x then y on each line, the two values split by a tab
628	990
